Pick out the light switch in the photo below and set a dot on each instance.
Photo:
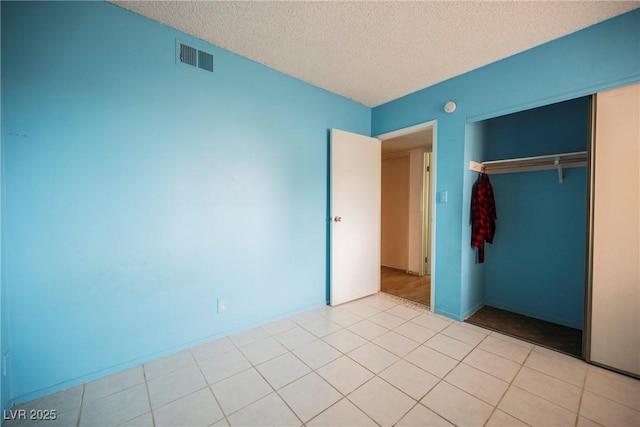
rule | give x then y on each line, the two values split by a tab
442	197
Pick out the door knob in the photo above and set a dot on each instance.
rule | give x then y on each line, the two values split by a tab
337	219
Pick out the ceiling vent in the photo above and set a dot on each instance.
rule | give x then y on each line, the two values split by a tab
194	57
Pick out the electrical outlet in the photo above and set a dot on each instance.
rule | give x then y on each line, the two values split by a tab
222	305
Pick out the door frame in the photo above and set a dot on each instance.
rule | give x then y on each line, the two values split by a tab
433	125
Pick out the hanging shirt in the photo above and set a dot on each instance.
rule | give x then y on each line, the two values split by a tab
483	215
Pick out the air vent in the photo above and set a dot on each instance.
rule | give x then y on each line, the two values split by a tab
188	55
196	58
205	61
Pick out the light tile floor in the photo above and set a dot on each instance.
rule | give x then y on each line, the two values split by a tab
376	361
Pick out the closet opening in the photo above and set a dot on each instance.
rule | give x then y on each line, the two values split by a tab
532	282
406	217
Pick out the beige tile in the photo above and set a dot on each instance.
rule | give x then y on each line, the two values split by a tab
549	388
345	375
373	357
379	302
476	328
404	312
247	337
466	335
367	330
283	370
409	378
322	327
360	309
113	384
395	343
512	340
197	409
175	385
145	420
317	353
430	321
211	349
116	408
240	390
508	350
607	412
309	396
268	411
168	364
342	414
262	350
420	416
534	410
497	366
387	320
62	401
306	317
343	317
585	422
614	387
614	375
381	401
456	406
294	338
477	383
223	366
449	346
323	310
557	365
500	419
415	332
278	326
222	423
431	361
344	340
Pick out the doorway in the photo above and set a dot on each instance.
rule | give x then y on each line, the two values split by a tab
408	180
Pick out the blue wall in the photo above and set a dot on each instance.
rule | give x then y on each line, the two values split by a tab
5	391
139	191
536	264
600	57
472	295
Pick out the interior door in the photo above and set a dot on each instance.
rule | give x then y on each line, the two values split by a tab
355	216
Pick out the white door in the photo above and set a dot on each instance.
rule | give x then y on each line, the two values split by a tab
355	216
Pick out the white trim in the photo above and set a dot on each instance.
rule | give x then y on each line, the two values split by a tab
407	131
432	124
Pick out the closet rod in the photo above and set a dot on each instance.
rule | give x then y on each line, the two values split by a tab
531	164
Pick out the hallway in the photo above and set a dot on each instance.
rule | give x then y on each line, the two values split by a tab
398	283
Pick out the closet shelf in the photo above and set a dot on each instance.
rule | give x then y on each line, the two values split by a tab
531	164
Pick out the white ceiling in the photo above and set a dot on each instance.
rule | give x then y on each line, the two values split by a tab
374	52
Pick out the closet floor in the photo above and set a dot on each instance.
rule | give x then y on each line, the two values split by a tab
547	334
408	286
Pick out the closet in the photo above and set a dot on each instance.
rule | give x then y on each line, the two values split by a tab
535	267
566	252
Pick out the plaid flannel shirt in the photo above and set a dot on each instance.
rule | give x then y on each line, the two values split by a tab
483	215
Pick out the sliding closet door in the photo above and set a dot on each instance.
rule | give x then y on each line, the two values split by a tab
615	297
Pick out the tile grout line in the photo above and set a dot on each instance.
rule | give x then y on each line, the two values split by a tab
81	405
459	362
215	398
146	387
510	384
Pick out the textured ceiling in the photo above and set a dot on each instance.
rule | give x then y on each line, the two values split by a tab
374	52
